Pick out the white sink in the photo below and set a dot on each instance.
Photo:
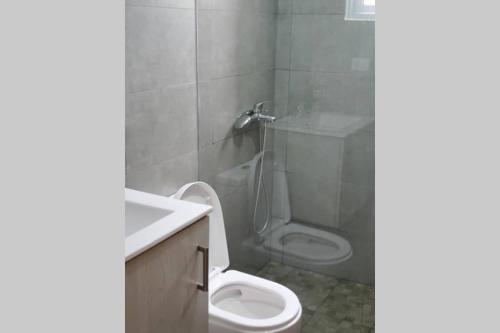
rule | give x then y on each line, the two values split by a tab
139	216
150	219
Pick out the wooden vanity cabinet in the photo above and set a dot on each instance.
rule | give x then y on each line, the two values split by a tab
162	285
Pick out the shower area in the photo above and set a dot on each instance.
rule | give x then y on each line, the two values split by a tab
297	186
297	193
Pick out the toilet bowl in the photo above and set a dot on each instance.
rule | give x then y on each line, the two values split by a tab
310	245
240	302
275	232
294	243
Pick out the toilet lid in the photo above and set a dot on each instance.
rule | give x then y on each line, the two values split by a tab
200	192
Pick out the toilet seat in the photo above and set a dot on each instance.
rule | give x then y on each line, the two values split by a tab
267	293
200	192
240	302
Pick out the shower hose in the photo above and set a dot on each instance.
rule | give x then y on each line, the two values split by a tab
259	185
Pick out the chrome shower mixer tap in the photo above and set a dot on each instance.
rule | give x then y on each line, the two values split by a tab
251	116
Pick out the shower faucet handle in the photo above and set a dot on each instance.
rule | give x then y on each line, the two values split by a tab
259	106
258	110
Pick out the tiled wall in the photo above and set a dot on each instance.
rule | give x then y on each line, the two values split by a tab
180	113
161	95
236	47
323	61
236	43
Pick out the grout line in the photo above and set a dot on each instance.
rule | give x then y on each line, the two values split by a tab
265	71
166	86
212	10
158	6
197	82
356	73
318	14
287	112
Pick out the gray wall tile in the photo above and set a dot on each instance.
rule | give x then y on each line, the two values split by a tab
351	93
284	6
234	43
313	200
160	47
178	47
359	158
163	178
353	198
329	43
205	121
261	6
361	225
236	220
283	41
139	176
223	100
161	124
319	6
314	168
161	99
140	109
226	154
266	6
142	52
226	5
204	44
172	174
184	4
358	175
161	135
319	156
276	142
281	82
240	233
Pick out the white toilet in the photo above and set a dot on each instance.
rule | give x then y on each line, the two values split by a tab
240	302
306	245
295	244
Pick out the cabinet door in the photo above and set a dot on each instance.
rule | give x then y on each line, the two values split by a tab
161	285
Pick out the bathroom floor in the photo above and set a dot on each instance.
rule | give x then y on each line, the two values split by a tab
329	305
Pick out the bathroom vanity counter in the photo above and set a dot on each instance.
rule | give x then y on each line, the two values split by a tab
150	219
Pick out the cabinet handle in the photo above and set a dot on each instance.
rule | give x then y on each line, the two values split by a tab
204	251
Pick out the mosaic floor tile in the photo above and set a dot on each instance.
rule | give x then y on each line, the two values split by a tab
274	271
369	314
329	305
320	323
311	288
306	315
